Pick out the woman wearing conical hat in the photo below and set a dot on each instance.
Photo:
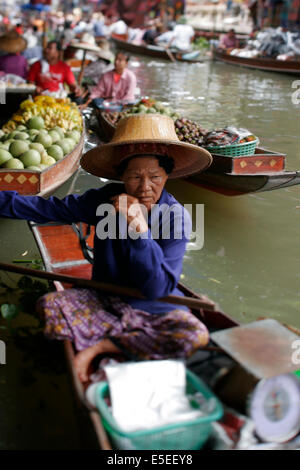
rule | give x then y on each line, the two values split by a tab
140	240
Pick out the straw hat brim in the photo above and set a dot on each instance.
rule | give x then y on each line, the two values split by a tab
85	47
12	44
102	161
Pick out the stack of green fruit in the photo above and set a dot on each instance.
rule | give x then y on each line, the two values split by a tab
35	148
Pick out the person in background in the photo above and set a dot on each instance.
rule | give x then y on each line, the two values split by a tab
117	84
94	71
50	74
19	29
34	50
12	44
99	27
183	35
229	41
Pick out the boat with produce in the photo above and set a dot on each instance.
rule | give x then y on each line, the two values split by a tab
239	166
222	365
40	146
157	51
291	67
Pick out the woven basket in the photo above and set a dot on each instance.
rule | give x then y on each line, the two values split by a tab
235	150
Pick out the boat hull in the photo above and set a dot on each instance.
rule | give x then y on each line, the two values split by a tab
291	67
32	183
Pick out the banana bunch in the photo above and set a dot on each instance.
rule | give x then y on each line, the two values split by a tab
55	112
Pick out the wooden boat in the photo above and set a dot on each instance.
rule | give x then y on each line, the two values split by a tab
291	67
67	258
155	51
234	176
30	182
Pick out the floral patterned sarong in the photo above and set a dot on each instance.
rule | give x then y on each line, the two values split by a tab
85	318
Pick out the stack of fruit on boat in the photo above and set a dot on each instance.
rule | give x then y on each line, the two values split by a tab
42	132
186	129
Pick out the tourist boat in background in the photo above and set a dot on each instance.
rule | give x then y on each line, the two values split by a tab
41	183
291	67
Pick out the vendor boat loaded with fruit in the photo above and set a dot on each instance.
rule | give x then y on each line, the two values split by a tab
40	146
239	166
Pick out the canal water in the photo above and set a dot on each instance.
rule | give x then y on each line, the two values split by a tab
249	263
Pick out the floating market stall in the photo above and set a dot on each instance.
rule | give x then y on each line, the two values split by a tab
239	165
40	146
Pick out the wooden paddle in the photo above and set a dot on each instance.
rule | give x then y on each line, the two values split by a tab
190	302
171	56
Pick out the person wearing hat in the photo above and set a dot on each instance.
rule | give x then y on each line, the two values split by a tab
13	62
94	71
140	241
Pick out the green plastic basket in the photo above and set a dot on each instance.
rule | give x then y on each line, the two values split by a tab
188	435
235	150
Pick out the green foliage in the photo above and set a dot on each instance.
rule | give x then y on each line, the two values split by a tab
201	44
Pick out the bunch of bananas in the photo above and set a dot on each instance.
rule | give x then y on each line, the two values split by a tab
55	112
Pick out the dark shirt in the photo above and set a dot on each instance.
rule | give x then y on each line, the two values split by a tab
151	265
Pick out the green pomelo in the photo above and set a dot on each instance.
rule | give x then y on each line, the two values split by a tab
14	164
4	156
21	136
16	148
33	167
36	146
21	128
6	145
74	135
42	166
36	122
55	151
31	157
55	136
47	160
33	132
12	134
59	130
2	134
65	145
43	139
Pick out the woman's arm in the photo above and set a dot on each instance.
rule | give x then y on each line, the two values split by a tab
72	208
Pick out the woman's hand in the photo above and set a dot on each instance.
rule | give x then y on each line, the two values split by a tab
132	210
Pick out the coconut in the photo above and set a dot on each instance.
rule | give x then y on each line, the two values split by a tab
4	156
16	148
55	136
55	151
14	164
43	139
36	122
31	157
36	146
67	145
59	130
21	136
33	167
47	160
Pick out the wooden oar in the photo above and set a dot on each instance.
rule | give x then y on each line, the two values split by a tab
170	54
105	287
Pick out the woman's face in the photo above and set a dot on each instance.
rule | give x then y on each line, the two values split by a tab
145	180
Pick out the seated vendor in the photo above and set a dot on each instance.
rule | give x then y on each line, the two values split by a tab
228	41
117	84
50	74
139	242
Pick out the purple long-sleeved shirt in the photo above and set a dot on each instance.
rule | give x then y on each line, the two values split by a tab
151	265
15	64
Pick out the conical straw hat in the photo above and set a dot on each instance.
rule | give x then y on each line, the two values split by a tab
145	134
12	43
